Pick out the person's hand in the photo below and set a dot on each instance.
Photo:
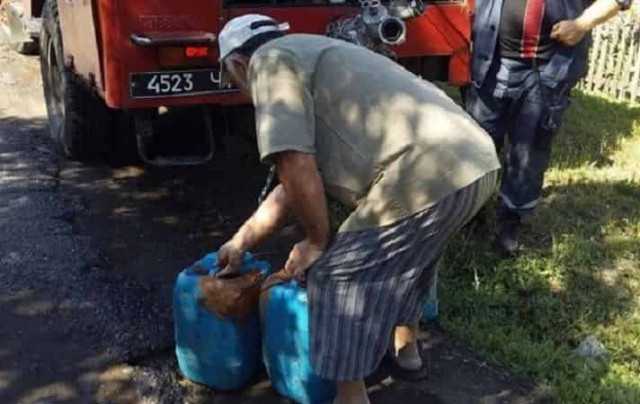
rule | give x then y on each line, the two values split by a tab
569	32
230	257
302	256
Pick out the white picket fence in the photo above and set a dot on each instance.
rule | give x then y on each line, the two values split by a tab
614	61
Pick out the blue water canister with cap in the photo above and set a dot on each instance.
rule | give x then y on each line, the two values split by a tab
221	353
285	346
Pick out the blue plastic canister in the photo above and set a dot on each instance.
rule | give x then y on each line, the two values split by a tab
220	353
430	310
285	346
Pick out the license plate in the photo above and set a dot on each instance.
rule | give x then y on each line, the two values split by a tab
176	84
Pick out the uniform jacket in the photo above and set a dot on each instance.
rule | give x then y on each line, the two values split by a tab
566	66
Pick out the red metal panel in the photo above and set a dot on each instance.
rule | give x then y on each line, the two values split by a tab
459	69
111	61
121	18
443	30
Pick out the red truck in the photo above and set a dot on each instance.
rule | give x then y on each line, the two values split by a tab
133	58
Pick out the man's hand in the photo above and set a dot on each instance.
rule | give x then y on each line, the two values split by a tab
570	32
269	217
230	257
301	258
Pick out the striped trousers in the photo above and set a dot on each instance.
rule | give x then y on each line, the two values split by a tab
370	281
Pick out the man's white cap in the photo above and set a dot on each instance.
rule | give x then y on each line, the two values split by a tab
241	29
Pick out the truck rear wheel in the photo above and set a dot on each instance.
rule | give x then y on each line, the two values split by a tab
78	117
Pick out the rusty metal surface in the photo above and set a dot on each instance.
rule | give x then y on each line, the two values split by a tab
80	39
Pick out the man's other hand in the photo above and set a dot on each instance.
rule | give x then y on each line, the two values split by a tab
302	257
569	32
230	257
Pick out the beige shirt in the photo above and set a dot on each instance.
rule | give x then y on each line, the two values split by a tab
387	143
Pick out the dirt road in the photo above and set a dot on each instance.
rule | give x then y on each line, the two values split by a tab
88	256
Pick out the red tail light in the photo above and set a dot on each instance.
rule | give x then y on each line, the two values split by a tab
176	56
196	51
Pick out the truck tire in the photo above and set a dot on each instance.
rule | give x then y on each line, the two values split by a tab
78	117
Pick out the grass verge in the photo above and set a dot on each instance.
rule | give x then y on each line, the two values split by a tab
579	274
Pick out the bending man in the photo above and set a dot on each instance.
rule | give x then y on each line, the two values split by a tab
339	119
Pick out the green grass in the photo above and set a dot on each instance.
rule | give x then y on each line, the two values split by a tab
579	274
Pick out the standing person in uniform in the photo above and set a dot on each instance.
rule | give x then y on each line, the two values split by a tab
340	119
527	56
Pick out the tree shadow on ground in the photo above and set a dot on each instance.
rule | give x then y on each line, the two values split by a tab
64	315
89	253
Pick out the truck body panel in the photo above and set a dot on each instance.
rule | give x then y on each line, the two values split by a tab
97	38
443	30
81	40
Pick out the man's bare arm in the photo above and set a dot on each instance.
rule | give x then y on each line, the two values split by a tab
298	174
301	193
599	12
270	216
571	32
